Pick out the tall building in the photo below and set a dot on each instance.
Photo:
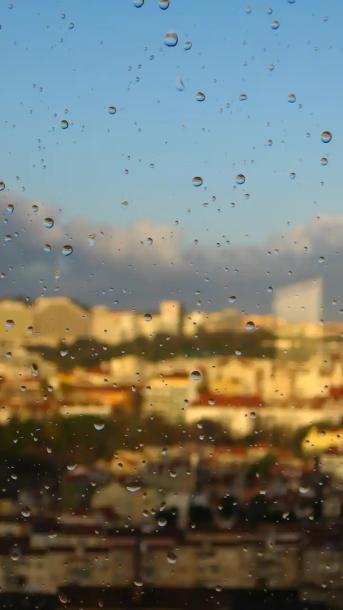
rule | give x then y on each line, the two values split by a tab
171	316
299	302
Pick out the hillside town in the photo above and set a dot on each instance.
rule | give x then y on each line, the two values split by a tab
148	449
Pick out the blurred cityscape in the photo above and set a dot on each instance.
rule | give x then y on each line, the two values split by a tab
172	451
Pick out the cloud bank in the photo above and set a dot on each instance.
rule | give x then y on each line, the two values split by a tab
136	267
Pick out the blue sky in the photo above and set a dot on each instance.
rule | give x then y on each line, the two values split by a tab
115	55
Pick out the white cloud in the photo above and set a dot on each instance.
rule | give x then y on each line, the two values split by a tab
124	265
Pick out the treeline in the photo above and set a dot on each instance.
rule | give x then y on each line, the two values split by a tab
87	352
83	439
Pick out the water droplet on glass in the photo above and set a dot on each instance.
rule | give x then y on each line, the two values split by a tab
26	512
171	557
71	25
243	97
187	45
324	161
163	4
197	181
240	179
47	248
321	259
138	3
162	522
71	467
147	317
125	202
2	185
250	326
292	175
15	554
275	24
64	124
180	85
63	598
232	299
67	250
98	427
9	324
292	98
326	137
133	488
195	376
171	39
111	110
200	96
35	208
48	222
10	208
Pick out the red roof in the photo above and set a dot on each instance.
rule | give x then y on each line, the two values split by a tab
336	392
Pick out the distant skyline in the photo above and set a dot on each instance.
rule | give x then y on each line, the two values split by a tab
71	61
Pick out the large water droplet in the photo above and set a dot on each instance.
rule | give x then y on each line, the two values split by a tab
292	98
171	557
9	324
100	426
111	110
324	161
171	39
163	4
250	326
187	45
10	208
63	598
326	137
133	488
15	554
196	376
200	96
67	250
48	222
232	299
197	181
64	124
275	24
147	317
240	179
